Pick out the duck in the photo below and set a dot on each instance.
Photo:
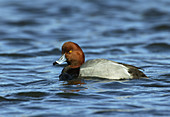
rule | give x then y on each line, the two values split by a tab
96	68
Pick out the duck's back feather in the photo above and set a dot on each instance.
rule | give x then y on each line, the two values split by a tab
103	68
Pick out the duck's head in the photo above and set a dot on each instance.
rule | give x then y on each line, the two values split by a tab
72	54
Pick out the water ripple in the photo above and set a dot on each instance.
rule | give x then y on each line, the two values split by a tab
128	31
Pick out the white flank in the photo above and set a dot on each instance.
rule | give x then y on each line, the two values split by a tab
103	68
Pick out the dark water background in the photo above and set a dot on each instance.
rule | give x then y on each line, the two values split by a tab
135	32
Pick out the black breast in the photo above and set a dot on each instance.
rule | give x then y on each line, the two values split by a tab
69	73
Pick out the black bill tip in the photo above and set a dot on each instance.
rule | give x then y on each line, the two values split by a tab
55	63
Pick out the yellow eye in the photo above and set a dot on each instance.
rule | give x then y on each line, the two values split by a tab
70	51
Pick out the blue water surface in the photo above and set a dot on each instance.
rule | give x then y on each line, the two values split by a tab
135	32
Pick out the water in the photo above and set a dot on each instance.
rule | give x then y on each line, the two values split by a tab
135	32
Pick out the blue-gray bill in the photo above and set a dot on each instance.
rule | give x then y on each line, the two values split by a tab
61	60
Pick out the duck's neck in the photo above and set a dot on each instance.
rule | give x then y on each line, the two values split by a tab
75	66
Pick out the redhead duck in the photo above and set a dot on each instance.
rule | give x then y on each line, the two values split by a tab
101	68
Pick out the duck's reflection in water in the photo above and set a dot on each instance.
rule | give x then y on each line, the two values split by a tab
75	85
